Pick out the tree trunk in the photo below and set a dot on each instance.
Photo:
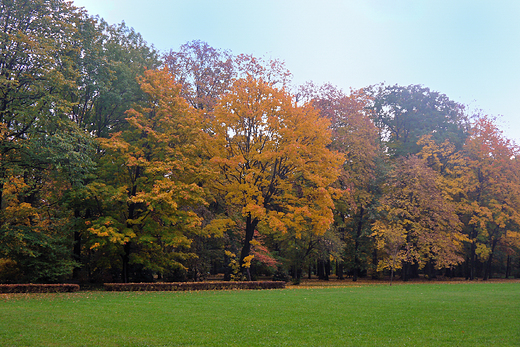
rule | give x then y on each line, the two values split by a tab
322	270
472	265
339	270
489	264
126	262
131	215
375	274
508	266
327	269
251	224
76	252
357	263
405	271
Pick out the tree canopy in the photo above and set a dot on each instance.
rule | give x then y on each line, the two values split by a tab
119	164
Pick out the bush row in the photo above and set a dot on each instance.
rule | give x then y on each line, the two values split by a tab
184	286
38	288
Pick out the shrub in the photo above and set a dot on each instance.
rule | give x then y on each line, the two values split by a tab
187	286
38	288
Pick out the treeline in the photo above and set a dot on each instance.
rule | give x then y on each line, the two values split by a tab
121	164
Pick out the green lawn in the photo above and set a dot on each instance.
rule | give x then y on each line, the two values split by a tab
466	314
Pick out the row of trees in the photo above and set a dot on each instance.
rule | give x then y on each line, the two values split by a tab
119	164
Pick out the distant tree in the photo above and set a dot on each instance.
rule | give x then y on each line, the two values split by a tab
109	58
206	73
354	135
418	225
404	114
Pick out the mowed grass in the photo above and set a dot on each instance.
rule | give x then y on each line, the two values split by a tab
466	314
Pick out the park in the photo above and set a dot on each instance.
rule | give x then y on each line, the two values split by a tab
314	313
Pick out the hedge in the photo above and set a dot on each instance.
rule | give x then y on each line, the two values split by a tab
186	286
38	288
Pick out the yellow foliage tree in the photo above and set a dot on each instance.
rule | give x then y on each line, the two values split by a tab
491	199
272	160
150	175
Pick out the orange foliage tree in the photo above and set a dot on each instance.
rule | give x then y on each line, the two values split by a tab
149	180
272	161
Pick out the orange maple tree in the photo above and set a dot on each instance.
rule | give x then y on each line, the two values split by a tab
272	160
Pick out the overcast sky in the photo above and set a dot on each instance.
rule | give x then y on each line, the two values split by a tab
466	49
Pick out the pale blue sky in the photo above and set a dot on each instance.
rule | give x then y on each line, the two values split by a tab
466	49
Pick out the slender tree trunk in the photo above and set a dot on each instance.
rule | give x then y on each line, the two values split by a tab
131	215
327	269
1	188
508	266
321	269
77	248
357	263
406	271
489	264
339	270
126	262
472	260
251	224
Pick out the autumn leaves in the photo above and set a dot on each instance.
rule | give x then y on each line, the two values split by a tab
257	151
169	173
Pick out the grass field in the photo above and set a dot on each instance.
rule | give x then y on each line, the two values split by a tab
465	314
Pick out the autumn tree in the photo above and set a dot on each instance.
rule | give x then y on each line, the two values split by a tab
204	72
419	225
272	161
148	182
490	201
354	135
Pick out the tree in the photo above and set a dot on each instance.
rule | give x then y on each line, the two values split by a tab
404	114
42	153
35	41
207	73
419	226
272	160
354	135
109	58
204	72
490	202
149	182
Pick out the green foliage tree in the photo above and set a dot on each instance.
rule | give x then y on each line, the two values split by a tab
42	153
109	58
404	114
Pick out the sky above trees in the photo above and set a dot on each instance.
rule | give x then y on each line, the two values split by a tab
466	49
